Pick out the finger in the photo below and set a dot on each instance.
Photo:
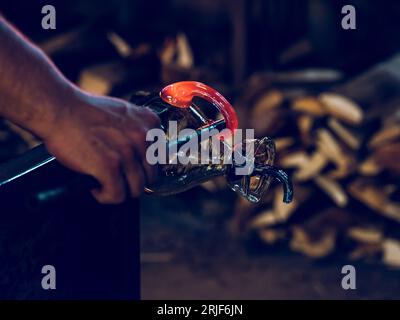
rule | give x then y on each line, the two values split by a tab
152	119
140	148
151	172
112	190
133	171
135	177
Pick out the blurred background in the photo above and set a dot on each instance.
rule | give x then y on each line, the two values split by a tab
329	97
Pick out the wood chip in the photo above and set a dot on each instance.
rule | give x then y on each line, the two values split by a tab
168	51
122	47
99	79
374	198
61	41
342	108
294	159
271	236
309	105
391	253
185	54
388	156
269	100
177	52
301	242
332	189
366	193
366	251
305	123
283	143
296	50
365	235
94	84
285	210
317	161
316	237
384	136
369	167
346	135
328	145
264	219
278	214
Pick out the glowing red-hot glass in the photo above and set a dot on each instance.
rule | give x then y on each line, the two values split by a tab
181	94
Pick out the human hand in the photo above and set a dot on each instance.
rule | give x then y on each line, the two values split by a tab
105	138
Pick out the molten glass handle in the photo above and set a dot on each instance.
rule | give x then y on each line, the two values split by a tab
181	94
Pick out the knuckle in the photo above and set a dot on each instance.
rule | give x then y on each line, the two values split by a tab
153	119
142	131
145	111
149	116
139	134
110	198
126	149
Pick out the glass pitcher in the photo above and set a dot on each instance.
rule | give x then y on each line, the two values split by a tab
175	105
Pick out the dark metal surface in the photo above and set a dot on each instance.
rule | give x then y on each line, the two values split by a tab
24	164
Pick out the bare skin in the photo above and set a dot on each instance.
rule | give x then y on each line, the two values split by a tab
96	135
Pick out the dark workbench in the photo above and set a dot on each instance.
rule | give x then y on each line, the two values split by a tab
95	249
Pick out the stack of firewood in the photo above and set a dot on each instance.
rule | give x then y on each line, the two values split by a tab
344	159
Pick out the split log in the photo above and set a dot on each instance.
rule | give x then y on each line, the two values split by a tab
333	190
309	105
374	198
342	108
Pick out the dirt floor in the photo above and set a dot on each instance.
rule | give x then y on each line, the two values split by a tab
187	254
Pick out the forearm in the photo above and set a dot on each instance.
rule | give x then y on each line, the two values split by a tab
32	90
100	136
